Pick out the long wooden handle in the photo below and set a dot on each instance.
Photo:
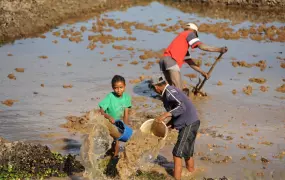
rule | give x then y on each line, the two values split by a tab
210	71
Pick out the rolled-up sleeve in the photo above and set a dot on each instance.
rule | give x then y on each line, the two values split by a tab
176	100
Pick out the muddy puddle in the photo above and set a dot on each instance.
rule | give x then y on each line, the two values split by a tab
67	71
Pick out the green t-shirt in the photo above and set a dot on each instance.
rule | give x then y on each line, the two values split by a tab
115	106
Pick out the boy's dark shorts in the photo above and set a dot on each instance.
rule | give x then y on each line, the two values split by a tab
184	146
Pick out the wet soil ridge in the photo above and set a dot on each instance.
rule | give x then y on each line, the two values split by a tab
253	3
19	160
19	19
26	18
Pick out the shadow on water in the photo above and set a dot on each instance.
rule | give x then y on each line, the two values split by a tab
143	89
167	165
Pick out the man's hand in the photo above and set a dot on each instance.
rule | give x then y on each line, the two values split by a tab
224	49
163	117
159	119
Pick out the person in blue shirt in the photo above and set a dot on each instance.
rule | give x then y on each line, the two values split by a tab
183	118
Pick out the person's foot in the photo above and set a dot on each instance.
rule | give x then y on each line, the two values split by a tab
191	170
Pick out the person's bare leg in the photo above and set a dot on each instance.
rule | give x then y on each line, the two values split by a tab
176	79
177	167
190	164
167	77
117	148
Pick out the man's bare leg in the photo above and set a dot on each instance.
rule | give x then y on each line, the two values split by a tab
190	164
177	167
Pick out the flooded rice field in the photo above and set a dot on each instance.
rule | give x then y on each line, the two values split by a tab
68	70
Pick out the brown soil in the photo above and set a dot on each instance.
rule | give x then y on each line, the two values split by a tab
234	91
9	102
281	89
19	69
282	65
68	64
258	80
42	85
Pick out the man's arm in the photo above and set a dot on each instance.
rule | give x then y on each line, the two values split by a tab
206	47
194	66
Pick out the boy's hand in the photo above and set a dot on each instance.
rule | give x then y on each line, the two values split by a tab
112	120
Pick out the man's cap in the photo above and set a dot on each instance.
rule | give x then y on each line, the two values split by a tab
191	26
156	79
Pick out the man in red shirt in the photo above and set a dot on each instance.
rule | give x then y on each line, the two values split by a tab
177	54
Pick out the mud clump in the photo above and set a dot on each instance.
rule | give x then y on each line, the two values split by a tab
234	91
261	64
68	64
120	65
67	86
19	160
9	102
258	80
282	65
134	62
245	146
264	88
43	57
247	90
11	76
118	47
219	83
191	75
42	85
281	89
19	69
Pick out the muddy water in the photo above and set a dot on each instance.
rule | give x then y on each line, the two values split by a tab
40	109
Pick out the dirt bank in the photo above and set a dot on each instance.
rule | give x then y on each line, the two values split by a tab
248	3
26	18
20	19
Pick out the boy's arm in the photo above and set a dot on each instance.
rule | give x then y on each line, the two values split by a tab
126	116
107	116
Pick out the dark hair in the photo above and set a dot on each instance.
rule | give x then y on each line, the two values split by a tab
117	78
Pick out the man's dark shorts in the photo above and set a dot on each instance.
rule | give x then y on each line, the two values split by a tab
184	146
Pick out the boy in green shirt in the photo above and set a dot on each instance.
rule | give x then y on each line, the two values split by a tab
116	105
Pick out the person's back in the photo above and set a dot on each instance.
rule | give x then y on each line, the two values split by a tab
173	97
